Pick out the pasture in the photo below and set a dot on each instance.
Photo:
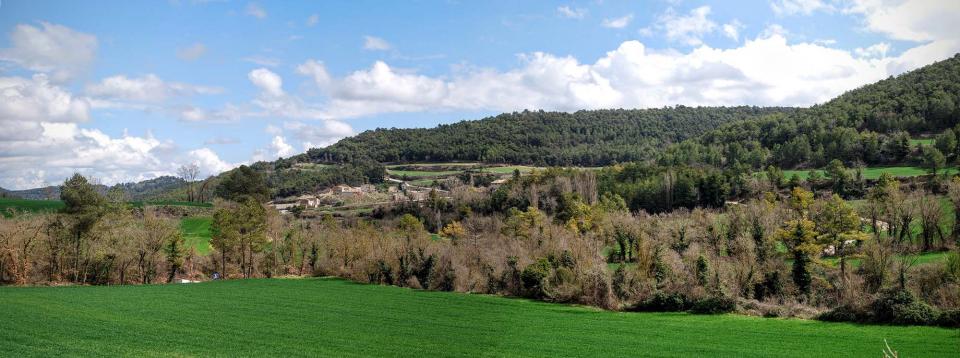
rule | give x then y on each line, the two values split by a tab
25	205
332	317
196	233
871	172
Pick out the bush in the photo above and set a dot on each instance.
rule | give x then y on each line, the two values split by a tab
714	305
845	313
663	302
900	307
534	278
949	318
916	313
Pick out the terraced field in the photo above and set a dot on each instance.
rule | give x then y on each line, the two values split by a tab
331	317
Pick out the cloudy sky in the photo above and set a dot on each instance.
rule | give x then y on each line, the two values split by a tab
130	90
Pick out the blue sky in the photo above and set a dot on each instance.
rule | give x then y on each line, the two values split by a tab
129	90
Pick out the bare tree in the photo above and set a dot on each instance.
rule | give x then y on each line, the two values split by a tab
189	173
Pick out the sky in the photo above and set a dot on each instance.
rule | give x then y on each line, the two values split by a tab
125	91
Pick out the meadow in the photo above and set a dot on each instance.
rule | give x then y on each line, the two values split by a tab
196	233
8	204
332	317
872	172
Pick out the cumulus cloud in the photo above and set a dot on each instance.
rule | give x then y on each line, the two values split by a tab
767	70
876	50
64	148
268	81
689	29
571	13
192	52
148	88
374	43
57	50
319	135
617	23
25	103
732	30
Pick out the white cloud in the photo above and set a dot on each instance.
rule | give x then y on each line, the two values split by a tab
617	23
912	20
209	162
689	29
804	7
64	148
312	20
878	50
268	81
27	102
280	147
767	70
571	13
255	10
57	50
374	43
318	136
148	88
192	52
732	30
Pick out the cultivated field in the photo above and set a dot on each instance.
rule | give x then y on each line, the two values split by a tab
311	317
7	204
872	172
196	233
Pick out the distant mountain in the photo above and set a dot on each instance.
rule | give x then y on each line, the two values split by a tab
150	189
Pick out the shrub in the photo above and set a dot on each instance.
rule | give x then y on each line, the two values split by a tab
534	278
845	313
664	302
714	305
900	307
949	318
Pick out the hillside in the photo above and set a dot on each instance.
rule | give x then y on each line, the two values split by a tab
150	189
328	317
582	138
869	125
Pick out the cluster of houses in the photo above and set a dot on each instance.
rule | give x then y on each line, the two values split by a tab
339	193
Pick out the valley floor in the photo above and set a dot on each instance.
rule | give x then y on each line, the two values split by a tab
332	317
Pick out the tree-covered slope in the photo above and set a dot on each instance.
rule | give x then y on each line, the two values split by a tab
585	138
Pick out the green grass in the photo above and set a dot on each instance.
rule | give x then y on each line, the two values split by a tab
509	169
330	317
422	173
196	233
872	172
918	142
6	204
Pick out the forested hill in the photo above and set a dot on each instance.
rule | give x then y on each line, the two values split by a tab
870	125
584	138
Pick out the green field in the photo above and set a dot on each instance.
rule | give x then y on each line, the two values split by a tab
872	173
331	317
196	233
422	173
918	142
7	204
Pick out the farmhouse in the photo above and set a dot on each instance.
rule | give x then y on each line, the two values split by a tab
308	201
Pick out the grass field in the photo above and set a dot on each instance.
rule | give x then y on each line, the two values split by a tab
6	204
919	142
330	317
421	173
873	172
196	233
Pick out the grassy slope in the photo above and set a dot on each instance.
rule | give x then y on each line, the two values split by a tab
196	233
29	205
338	318
872	172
